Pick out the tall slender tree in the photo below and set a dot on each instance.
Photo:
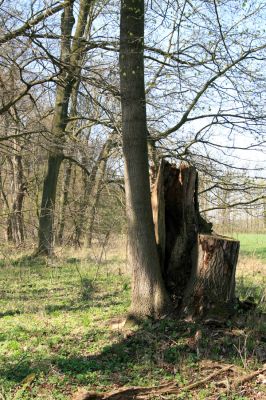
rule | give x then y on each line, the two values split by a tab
72	51
149	296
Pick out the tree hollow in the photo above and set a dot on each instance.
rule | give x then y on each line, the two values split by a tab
198	267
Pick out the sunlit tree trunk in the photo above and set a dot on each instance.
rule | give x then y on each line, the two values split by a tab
68	168
149	297
15	225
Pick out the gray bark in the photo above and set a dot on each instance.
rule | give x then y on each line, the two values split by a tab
149	296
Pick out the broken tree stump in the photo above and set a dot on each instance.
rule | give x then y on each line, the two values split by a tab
198	267
211	288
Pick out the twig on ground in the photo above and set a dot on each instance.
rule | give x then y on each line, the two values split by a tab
208	378
243	379
144	393
248	377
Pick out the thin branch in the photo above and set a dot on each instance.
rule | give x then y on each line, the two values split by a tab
33	21
221	73
240	203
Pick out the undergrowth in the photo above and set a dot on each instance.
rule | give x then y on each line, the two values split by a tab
60	330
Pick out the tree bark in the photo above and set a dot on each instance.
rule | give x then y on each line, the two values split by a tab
67	175
46	233
211	289
149	297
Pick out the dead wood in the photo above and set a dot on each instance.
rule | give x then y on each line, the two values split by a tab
144	393
248	377
207	379
240	381
198	267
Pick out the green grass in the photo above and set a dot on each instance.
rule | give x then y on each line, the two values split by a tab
58	333
252	245
52	318
251	268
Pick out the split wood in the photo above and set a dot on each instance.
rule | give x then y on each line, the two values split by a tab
145	393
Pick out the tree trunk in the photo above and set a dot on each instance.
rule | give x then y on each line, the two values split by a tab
92	188
70	57
64	203
149	296
15	225
80	217
63	93
169	271
95	183
198	268
46	233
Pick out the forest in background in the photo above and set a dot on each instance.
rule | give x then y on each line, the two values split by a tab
205	107
193	94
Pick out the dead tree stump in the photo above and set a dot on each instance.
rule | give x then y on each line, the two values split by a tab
211	288
198	267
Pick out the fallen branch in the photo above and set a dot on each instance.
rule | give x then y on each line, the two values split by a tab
243	379
143	393
208	378
248	377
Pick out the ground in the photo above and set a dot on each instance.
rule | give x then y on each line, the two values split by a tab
60	332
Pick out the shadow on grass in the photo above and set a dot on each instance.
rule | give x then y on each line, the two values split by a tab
9	313
155	352
160	350
246	289
86	301
30	261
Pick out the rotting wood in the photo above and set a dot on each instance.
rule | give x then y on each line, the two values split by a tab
211	290
198	267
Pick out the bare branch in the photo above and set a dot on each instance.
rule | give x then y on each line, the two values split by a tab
33	21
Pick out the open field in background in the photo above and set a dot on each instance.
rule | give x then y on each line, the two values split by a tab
60	331
252	245
251	268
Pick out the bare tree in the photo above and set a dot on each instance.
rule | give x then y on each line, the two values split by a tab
70	58
149	296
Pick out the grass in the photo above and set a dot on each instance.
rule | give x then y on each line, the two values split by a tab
59	331
252	245
251	268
